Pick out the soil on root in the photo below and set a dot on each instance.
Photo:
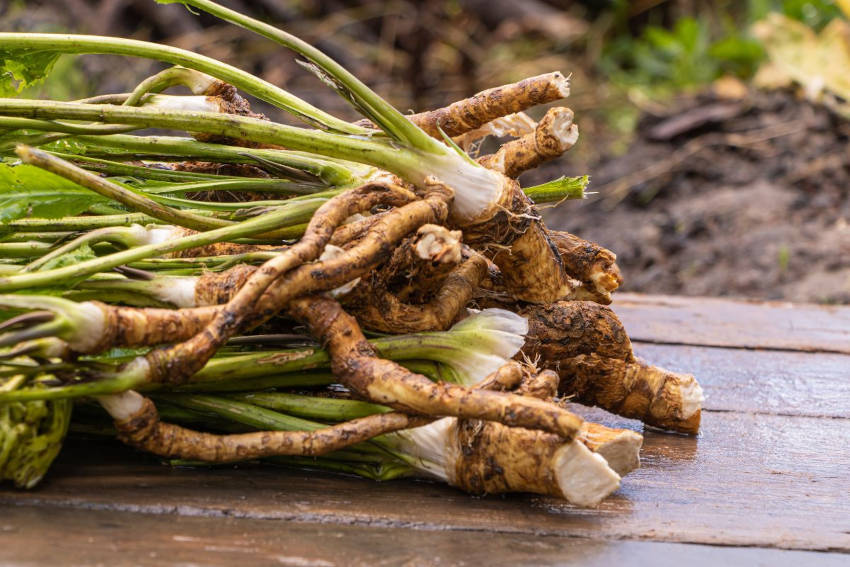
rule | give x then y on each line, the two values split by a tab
722	197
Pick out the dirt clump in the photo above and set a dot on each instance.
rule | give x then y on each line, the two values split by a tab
727	198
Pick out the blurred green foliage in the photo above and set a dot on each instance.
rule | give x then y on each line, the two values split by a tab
698	48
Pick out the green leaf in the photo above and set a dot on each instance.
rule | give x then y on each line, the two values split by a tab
26	190
75	256
21	68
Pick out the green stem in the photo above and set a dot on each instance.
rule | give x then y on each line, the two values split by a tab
558	189
47	236
172	77
440	347
14	123
112	385
24	249
74	224
313	407
261	418
215	263
364	98
406	162
116	192
239	384
110	167
330	171
246	228
78	44
250	184
117	235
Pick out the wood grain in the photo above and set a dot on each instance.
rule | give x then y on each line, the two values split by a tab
777	382
734	323
771	469
749	480
51	536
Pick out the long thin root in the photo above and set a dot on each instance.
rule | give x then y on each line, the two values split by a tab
355	363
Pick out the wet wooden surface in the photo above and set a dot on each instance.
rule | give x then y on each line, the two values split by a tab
735	323
766	482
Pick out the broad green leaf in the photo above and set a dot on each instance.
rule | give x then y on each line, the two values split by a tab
21	68
26	190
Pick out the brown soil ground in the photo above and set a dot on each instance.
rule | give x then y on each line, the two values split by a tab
727	198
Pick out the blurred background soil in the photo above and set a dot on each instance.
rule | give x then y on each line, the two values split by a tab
702	183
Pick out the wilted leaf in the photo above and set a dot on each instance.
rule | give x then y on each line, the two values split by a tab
817	62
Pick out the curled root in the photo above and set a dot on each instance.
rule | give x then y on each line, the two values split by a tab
472	113
588	262
149	326
145	431
377	308
355	363
261	296
634	389
554	135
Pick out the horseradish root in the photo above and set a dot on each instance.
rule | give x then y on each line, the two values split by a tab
241	318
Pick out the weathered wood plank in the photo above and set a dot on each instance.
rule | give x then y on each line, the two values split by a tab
49	536
748	480
778	382
734	323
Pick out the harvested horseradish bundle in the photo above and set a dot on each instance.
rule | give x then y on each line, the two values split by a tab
363	297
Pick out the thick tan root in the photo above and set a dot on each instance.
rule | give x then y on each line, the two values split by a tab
588	347
554	135
588	262
565	330
215	288
530	264
145	431
135	327
619	447
658	397
355	363
492	458
354	230
472	113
